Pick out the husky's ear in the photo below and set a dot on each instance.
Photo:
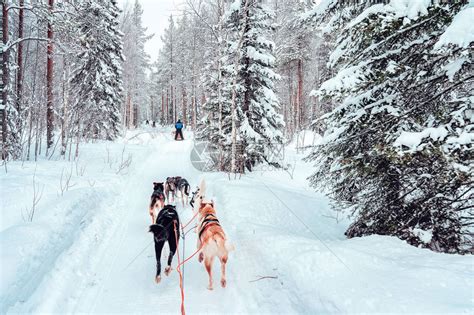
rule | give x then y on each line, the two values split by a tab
212	202
154	183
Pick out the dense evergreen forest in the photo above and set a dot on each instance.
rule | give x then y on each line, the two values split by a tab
389	85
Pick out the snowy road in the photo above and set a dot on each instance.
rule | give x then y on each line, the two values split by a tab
280	228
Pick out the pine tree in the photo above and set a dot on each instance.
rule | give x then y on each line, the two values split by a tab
167	66
396	148
97	80
215	123
293	54
136	63
259	123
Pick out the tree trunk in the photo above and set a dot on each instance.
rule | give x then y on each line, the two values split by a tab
19	78
167	117
153	110
162	106
64	113
193	111
127	111
49	81
300	94
290	102
5	77
173	100
184	105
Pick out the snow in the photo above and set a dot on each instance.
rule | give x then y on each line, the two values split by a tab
392	67
318	9
463	138
305	138
254	54
345	79
88	251
425	236
333	134
454	66
374	9
413	139
410	9
461	30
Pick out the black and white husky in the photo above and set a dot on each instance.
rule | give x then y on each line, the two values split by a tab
157	200
165	229
183	187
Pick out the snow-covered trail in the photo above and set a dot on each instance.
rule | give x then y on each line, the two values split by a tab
281	229
126	274
127	284
120	269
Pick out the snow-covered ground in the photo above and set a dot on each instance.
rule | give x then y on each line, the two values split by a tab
87	249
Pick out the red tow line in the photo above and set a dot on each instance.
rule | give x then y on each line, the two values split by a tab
178	268
183	312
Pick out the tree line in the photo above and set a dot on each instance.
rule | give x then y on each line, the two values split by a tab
388	85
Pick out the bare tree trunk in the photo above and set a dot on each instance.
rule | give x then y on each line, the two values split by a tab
32	110
129	111
49	82
162	105
30	127
19	78
131	114
193	111
64	114
37	135
5	78
220	9
135	116
167	120
300	94
295	114
184	106
173	100
290	102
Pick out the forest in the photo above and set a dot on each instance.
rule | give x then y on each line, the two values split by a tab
389	85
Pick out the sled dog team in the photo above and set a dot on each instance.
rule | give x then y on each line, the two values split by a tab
211	241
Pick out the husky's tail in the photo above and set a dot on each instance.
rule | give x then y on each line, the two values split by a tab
155	229
221	246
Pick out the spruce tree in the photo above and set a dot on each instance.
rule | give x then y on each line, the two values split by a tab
259	125
396	150
97	79
136	63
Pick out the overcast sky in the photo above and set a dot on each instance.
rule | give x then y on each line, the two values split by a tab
155	18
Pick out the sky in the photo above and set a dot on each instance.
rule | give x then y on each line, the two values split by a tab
155	18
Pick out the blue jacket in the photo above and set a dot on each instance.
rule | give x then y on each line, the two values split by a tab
178	125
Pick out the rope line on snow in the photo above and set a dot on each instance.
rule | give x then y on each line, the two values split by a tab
141	252
181	263
358	275
303	223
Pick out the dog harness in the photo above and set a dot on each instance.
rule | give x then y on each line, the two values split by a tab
159	194
193	197
207	222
